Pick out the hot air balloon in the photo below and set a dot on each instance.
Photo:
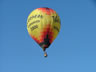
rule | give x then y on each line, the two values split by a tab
43	25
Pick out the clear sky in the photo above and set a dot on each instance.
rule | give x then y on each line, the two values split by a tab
74	49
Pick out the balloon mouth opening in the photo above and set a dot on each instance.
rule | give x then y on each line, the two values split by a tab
44	49
43	45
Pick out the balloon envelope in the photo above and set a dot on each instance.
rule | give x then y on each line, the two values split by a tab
43	25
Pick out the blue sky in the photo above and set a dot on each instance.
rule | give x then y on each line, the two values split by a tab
74	49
